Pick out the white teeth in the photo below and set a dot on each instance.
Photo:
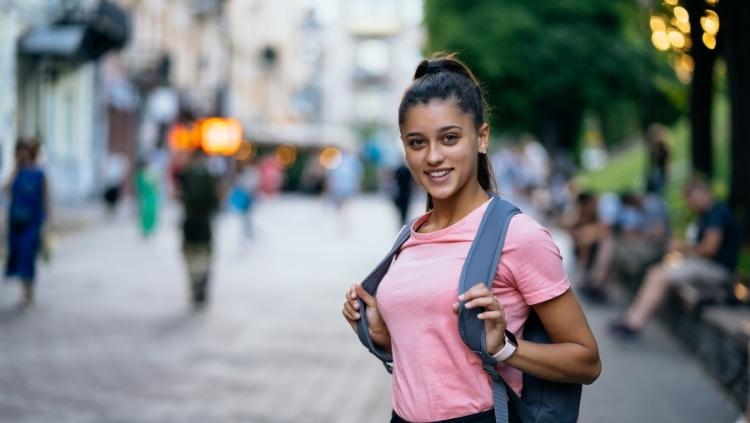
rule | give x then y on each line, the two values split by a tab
438	174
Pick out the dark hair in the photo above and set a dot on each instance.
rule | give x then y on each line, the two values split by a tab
584	197
30	145
696	181
443	77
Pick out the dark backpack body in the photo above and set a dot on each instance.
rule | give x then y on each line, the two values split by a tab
27	202
200	199
543	401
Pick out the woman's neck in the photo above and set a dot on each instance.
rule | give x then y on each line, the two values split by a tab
450	210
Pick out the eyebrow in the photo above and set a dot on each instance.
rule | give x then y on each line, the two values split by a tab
443	129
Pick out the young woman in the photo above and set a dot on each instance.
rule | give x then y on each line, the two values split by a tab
29	209
435	376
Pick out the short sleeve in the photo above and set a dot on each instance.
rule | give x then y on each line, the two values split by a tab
533	261
714	218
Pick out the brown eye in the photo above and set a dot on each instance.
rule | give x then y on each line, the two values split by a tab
416	143
450	138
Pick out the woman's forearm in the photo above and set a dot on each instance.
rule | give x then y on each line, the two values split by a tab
564	362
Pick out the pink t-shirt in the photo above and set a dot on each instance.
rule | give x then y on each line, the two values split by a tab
435	376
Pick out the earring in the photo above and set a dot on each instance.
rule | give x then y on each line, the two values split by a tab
484	152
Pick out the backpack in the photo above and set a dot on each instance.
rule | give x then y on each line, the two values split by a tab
541	401
27	199
200	200
198	187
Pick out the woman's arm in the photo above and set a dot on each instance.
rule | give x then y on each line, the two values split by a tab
9	183
572	356
47	203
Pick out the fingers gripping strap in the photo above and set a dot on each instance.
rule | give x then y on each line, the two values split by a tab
480	267
370	285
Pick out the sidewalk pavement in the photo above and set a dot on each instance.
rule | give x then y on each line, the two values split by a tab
112	338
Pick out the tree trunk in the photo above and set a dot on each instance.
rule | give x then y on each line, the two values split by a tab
561	127
701	99
734	16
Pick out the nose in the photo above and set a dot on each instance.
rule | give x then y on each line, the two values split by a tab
434	154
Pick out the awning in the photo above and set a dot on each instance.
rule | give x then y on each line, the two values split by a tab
79	34
59	41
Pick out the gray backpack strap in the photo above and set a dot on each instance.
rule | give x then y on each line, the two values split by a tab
481	266
370	285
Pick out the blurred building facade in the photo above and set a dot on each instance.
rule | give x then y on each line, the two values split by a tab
313	71
50	86
98	77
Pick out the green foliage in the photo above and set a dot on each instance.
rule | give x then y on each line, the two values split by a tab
552	59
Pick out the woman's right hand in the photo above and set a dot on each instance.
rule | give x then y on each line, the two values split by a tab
378	330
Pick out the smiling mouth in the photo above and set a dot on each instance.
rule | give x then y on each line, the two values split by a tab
439	173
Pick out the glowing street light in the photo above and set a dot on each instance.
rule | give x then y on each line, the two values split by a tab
330	158
657	24
681	14
285	155
676	39
220	136
246	151
710	22
660	40
709	41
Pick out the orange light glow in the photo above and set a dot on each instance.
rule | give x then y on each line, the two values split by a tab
660	40
681	14
688	62
180	138
657	24
710	22
330	158
676	39
246	151
709	40
285	155
220	136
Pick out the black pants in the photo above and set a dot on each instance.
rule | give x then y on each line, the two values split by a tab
483	417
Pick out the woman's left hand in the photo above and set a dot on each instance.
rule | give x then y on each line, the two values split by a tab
493	315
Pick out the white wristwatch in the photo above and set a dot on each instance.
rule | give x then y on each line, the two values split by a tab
510	347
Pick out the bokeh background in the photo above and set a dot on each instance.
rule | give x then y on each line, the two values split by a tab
295	102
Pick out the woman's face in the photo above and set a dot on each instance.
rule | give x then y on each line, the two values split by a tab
441	146
23	156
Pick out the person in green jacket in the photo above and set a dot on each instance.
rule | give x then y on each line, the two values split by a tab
147	185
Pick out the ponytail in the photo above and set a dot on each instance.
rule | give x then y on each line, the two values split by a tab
444	77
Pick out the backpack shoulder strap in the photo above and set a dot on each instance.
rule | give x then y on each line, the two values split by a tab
370	285
480	266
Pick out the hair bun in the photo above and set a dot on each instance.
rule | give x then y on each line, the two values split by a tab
429	67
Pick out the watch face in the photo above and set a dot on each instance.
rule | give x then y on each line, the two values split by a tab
511	338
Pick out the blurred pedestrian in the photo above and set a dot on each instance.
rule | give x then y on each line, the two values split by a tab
638	240
245	195
30	208
404	189
147	187
343	182
271	176
115	171
658	155
436	377
312	180
709	261
199	191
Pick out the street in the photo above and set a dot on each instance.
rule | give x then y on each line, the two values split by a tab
113	339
